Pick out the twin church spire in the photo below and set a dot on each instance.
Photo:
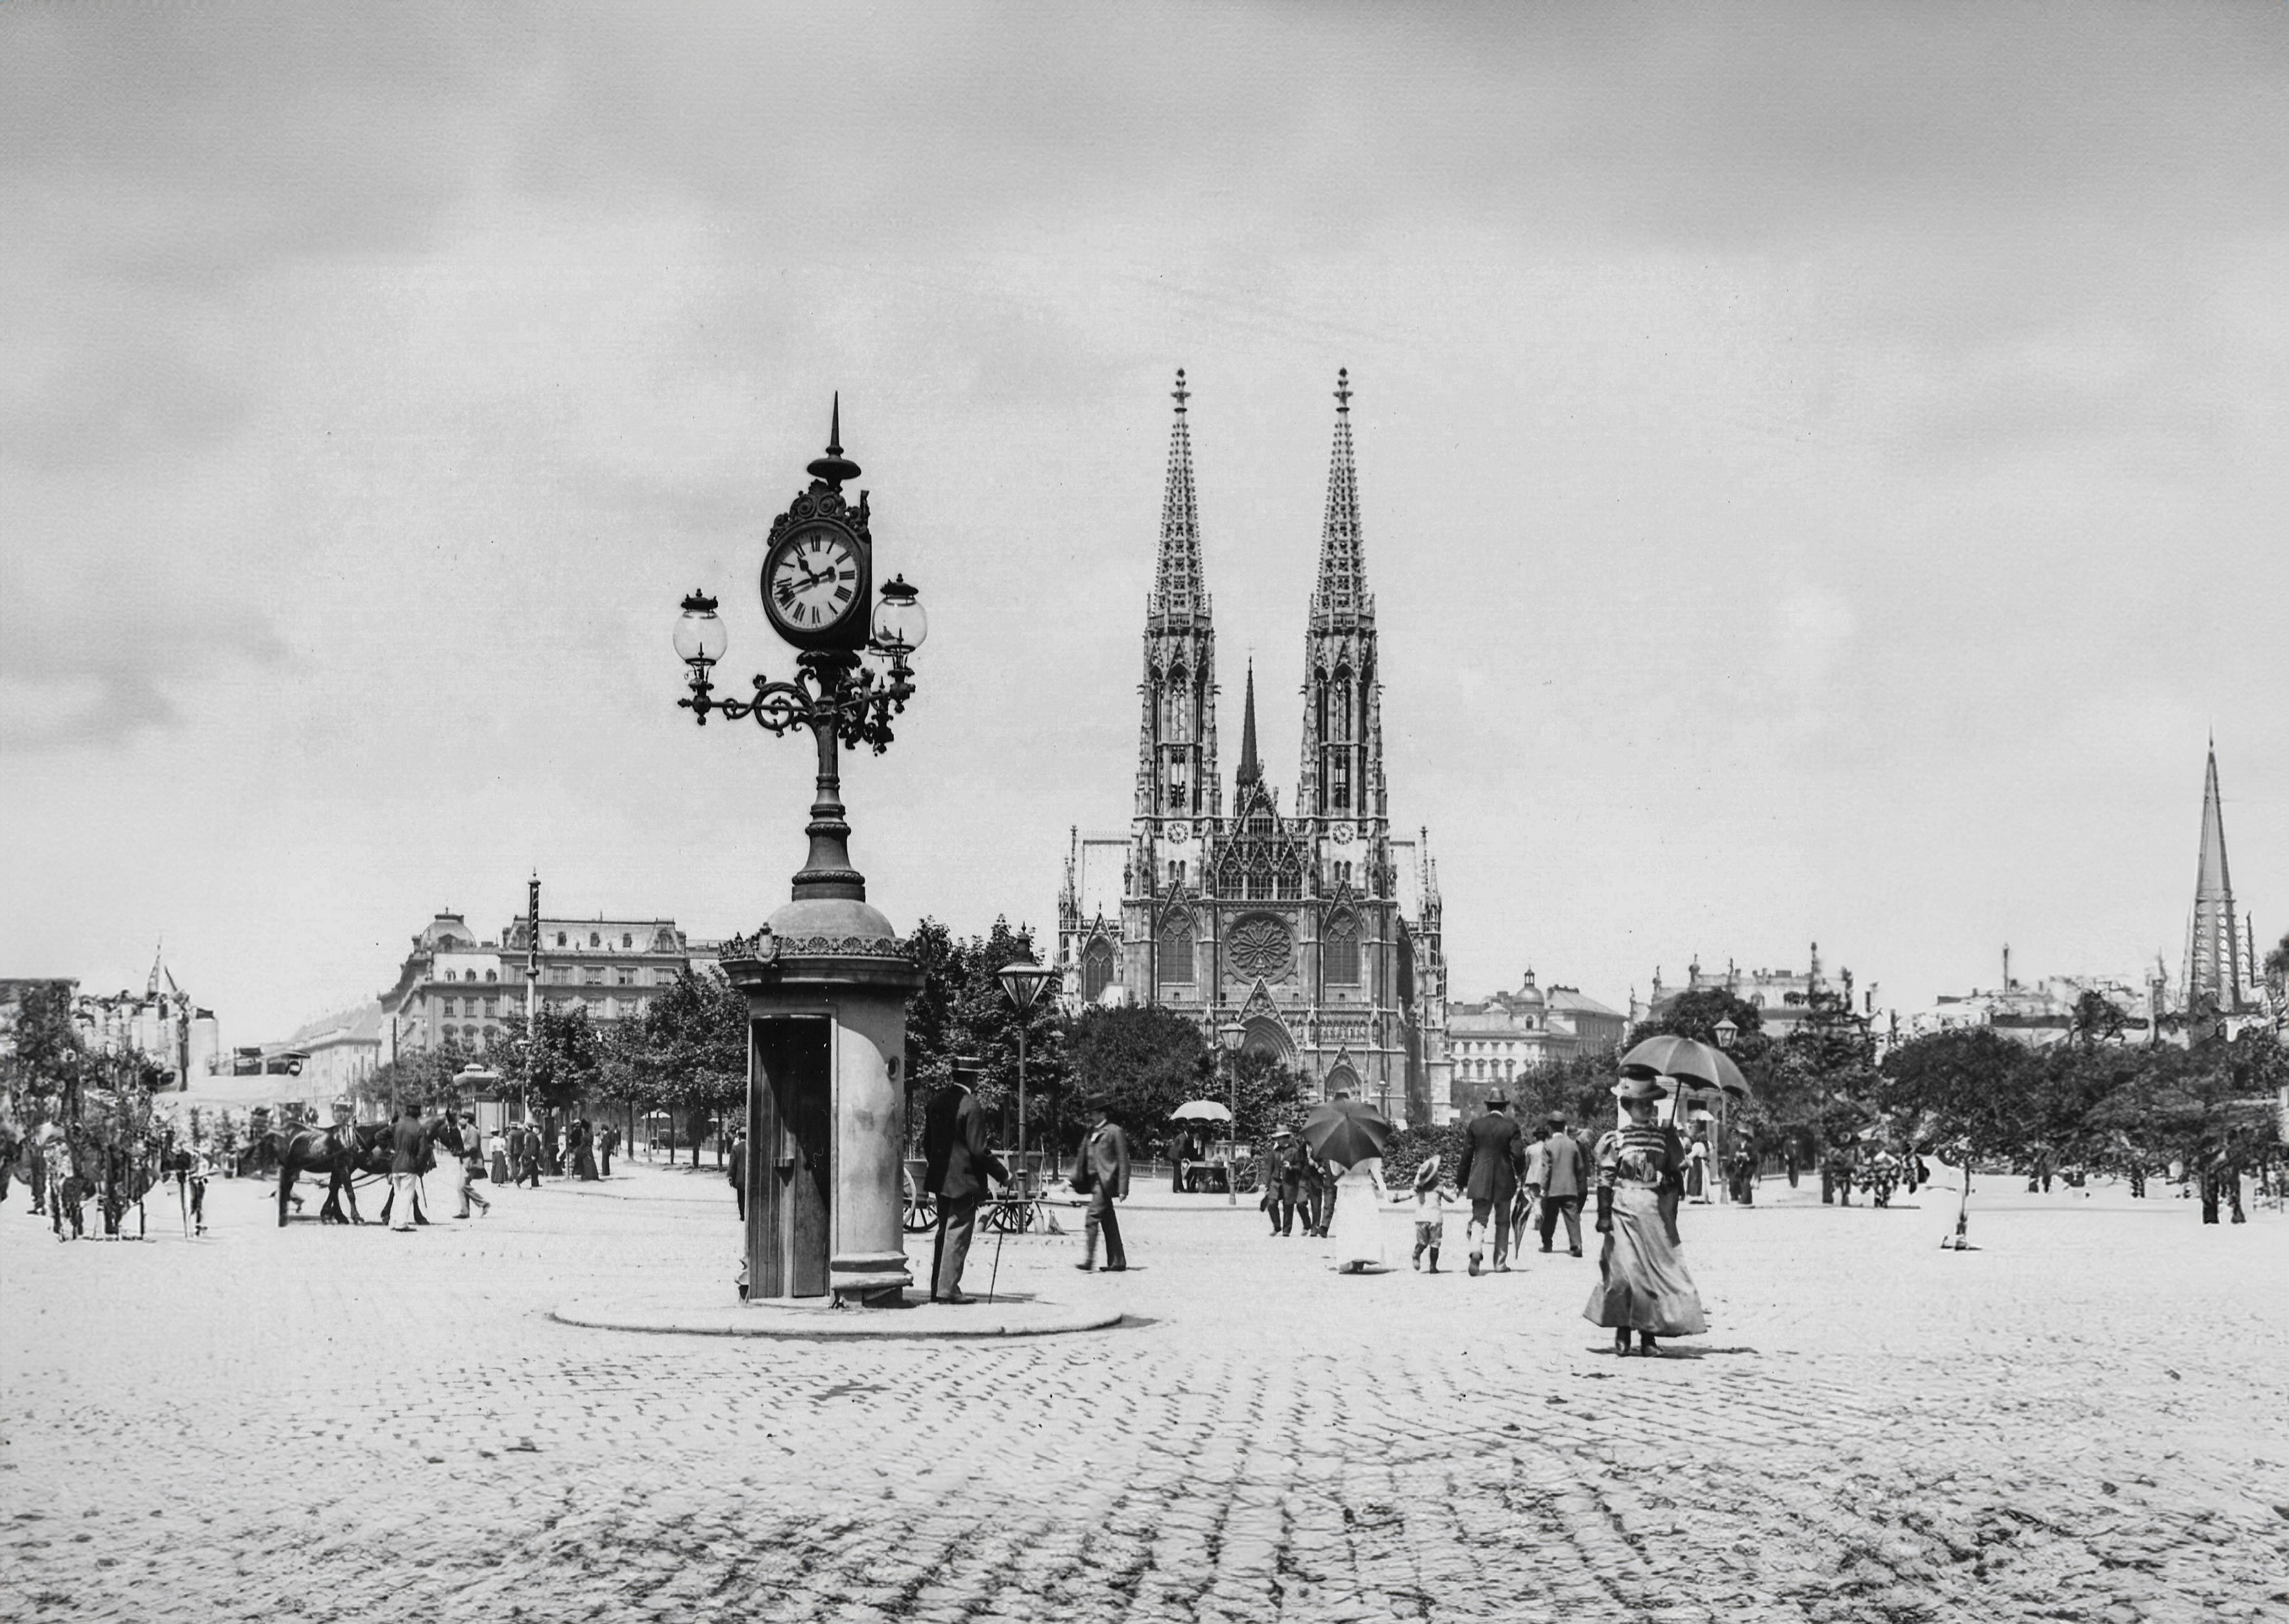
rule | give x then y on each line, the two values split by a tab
1341	769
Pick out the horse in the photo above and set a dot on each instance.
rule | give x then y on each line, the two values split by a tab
363	1149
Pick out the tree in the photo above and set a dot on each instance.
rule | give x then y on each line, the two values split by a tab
1267	1092
1142	1062
688	1053
1964	1090
2210	1106
962	1010
420	1078
2096	1018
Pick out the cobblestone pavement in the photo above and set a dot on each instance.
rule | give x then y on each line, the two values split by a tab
2084	1420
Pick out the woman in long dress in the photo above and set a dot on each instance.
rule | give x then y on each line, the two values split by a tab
497	1148
1642	1282
582	1141
1357	1227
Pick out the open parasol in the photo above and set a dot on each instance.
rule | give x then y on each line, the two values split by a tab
1689	1061
1199	1110
1347	1131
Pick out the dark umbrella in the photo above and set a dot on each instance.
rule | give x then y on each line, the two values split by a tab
1347	1131
1688	1059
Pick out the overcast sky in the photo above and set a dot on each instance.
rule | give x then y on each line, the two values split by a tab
1824	467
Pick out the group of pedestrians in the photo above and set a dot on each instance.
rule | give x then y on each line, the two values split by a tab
1516	1182
520	1154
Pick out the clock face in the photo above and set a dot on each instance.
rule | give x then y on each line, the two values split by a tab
814	581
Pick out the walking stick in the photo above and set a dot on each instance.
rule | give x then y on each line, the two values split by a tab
183	1199
1000	1234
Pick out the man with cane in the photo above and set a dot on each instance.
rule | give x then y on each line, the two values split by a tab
958	1163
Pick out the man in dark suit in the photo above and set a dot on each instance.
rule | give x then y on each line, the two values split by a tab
1295	1171
1488	1176
1566	1174
959	1162
1104	1156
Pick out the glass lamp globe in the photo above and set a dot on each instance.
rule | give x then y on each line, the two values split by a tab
899	623
700	639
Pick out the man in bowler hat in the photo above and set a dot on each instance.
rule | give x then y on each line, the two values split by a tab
959	1162
1488	1174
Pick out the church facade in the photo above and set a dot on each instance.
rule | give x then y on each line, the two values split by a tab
1310	926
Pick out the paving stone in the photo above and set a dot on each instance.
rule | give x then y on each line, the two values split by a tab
356	1425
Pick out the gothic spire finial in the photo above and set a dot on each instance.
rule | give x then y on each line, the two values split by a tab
1342	591
1179	584
1251	771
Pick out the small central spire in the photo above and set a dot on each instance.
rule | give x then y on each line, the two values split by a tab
1180	395
1342	389
835	468
1250	770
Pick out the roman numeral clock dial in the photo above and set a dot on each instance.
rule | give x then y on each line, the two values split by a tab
813	584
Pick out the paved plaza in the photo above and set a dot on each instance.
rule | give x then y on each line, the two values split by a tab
2082	1420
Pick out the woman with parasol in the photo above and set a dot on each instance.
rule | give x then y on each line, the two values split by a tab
1642	1282
1351	1137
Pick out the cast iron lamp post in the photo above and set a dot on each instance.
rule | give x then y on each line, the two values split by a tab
1232	1034
1725	1033
1022	980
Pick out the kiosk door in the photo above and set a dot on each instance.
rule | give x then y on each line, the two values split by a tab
790	1172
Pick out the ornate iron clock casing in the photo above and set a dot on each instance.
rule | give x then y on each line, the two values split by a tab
821	513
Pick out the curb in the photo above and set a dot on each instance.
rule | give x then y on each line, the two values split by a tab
916	1322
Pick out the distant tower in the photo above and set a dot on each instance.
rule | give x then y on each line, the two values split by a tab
2216	970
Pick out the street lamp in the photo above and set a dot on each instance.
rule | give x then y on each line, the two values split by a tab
1022	980
1232	1034
1725	1033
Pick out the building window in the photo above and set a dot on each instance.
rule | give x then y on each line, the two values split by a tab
559	938
627	976
1341	952
663	978
628	939
594	940
1095	969
492	1007
1175	872
1176	951
595	975
493	975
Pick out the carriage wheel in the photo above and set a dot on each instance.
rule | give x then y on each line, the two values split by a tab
921	1210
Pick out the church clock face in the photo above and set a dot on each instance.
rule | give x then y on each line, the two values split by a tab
815	588
1179	833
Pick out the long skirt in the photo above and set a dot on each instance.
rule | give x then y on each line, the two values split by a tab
1642	1284
583	1165
1357	1227
500	1166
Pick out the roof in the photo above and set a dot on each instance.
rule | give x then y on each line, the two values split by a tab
1579	1003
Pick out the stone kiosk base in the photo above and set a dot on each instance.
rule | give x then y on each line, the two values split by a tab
702	1312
